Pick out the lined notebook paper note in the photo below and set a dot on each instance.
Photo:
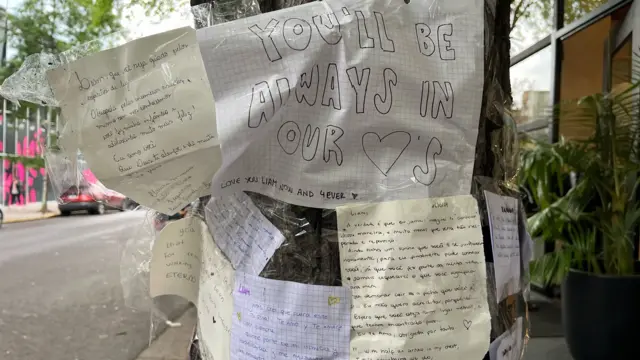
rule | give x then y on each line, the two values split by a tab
418	276
285	320
242	232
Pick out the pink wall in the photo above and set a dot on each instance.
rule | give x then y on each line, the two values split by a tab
25	147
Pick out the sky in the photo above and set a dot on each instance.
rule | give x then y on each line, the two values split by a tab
533	74
146	27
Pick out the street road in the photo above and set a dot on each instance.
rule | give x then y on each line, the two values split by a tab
60	292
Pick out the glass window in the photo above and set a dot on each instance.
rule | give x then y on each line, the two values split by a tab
531	20
531	87
539	134
582	73
621	65
576	9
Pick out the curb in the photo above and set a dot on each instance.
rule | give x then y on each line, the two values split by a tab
174	342
30	218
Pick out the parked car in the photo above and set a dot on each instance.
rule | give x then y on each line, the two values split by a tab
93	198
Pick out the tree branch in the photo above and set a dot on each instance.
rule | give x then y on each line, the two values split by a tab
519	12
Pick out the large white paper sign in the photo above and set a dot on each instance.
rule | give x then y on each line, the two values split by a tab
346	101
144	118
418	276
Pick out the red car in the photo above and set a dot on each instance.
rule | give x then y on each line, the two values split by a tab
93	198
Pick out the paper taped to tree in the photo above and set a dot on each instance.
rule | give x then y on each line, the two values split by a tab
347	101
144	118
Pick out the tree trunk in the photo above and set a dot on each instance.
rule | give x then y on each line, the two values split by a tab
310	252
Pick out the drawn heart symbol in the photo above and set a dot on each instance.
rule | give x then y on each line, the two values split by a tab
466	324
385	151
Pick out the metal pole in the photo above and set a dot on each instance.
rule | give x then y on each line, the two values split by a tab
4	126
38	148
556	45
4	148
15	129
49	119
3	57
26	152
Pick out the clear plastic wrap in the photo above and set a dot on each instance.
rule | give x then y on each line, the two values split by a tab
76	188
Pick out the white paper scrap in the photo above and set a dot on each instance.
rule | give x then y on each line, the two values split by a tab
275	319
241	231
144	118
175	260
508	346
338	101
526	241
215	302
503	220
418	276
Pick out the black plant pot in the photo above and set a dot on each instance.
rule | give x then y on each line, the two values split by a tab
601	316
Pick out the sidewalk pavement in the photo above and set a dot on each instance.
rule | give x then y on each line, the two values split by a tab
174	342
545	348
28	212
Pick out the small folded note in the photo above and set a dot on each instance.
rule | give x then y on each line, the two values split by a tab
508	346
144	117
175	261
241	231
503	219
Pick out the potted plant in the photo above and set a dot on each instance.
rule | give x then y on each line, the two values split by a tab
593	223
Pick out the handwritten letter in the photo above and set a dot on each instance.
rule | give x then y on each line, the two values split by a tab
503	218
144	118
508	346
418	276
175	262
285	320
242	232
215	301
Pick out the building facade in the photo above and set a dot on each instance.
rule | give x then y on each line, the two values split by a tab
24	133
572	49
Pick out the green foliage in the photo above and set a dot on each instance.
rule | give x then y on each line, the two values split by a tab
541	11
54	26
592	222
26	161
159	8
